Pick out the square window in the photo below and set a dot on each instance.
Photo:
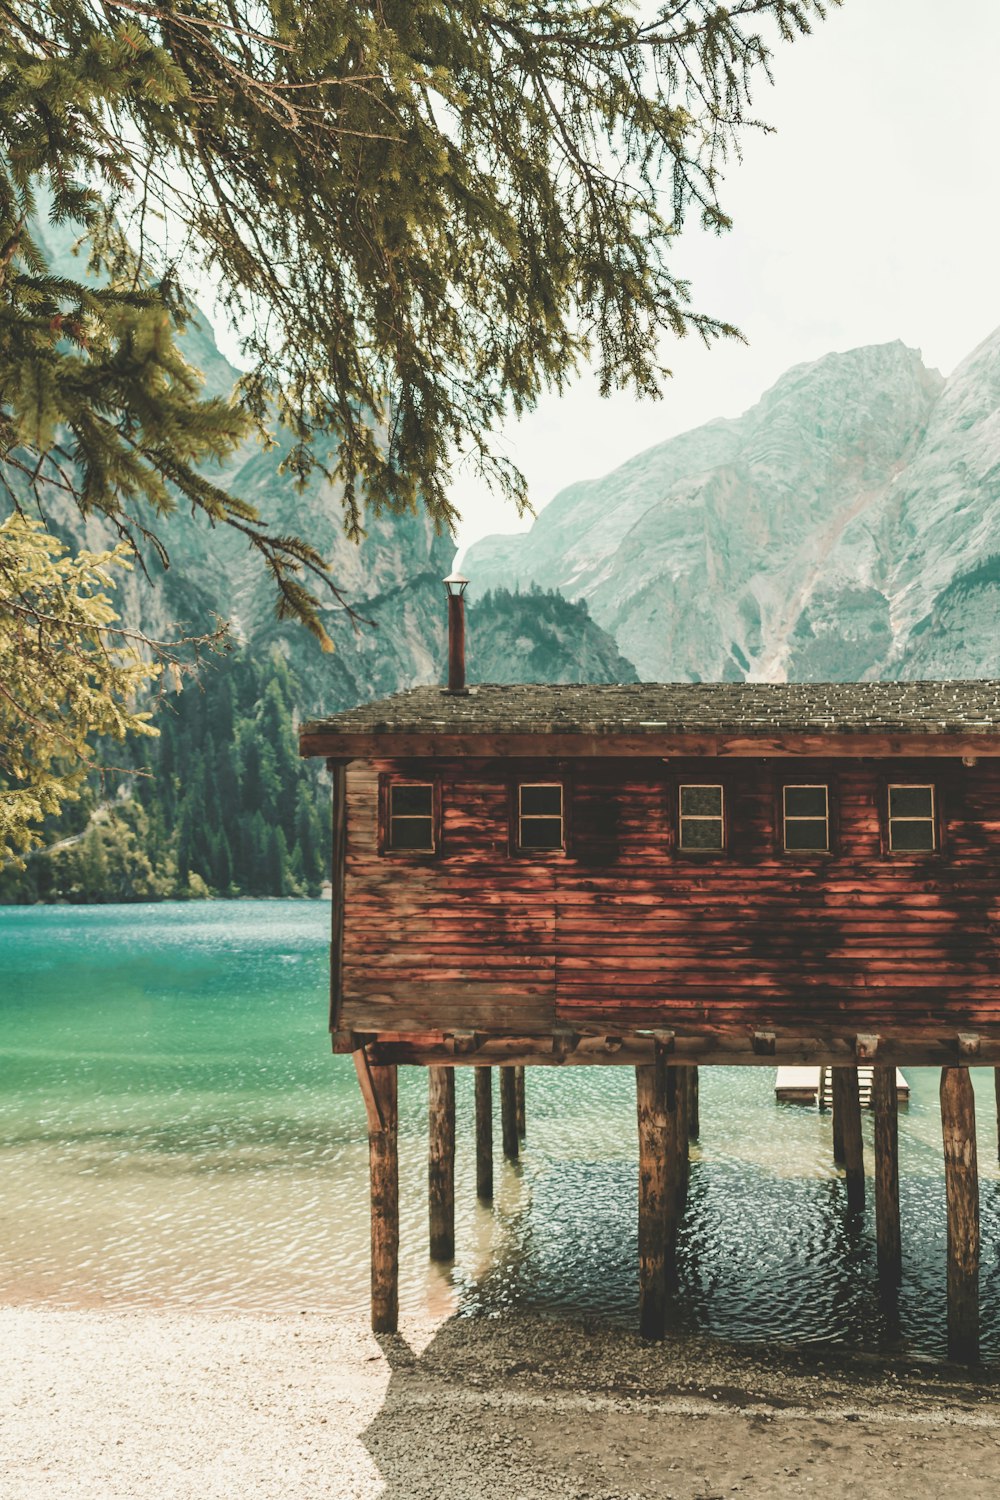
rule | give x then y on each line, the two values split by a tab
540	815
701	818
912	820
806	818
411	817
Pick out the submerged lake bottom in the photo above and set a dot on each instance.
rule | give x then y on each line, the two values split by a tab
174	1132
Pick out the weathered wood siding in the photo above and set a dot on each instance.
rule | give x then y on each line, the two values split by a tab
627	930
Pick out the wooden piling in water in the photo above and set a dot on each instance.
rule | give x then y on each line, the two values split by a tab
522	1128
484	1134
694	1106
682	1077
847	1108
441	1162
958	1128
508	1112
837	1119
379	1091
885	1105
996	1089
655	1192
675	1146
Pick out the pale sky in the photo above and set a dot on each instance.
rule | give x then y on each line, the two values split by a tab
870	215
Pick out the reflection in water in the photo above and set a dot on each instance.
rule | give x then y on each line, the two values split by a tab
173	1130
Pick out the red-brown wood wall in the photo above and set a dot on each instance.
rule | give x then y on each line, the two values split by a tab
625	930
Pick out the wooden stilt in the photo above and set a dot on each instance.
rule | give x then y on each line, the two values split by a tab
676	1148
378	1088
958	1126
838	1118
508	1112
655	1193
441	1162
484	1134
996	1088
694	1106
681	1130
522	1129
886	1106
847	1105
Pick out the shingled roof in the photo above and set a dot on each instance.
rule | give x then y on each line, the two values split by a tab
657	710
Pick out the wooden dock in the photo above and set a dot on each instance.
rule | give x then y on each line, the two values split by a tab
803	1086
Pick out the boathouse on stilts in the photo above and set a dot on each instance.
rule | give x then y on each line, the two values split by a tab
667	877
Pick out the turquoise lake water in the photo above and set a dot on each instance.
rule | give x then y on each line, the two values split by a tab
174	1131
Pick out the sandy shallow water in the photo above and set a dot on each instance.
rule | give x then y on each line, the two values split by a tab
105	1405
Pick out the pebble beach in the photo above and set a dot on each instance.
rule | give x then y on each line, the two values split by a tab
107	1405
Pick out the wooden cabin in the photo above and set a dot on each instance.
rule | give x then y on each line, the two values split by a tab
668	876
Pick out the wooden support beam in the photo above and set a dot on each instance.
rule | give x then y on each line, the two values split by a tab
961	1174
838	1119
708	1045
847	1104
655	1197
682	1078
866	1047
508	1113
441	1162
674	1133
484	1134
522	1128
996	1090
378	1088
694	1109
564	1041
885	1105
764	1043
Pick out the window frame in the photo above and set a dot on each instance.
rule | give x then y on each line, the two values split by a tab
546	777
686	851
782	819
386	782
889	785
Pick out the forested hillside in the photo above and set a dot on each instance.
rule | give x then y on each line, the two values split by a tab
219	804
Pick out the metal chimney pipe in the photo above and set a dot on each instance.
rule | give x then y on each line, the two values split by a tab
456	584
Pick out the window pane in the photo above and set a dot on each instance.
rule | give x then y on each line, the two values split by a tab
910	802
806	833
701	833
541	833
544	800
701	799
411	833
412	800
918	835
805	801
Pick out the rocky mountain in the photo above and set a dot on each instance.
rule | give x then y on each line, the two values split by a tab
846	527
392	579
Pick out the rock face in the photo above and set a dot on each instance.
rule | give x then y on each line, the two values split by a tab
392	580
845	528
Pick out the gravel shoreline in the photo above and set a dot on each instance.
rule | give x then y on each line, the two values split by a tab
107	1405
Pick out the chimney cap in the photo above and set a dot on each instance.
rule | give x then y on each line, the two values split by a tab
456	583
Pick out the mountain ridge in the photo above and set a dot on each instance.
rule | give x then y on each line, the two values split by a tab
815	536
